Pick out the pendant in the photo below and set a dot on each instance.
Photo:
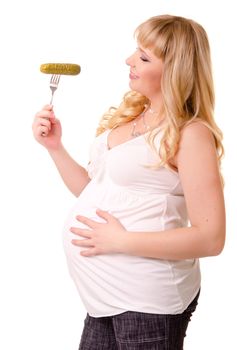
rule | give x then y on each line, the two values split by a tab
135	133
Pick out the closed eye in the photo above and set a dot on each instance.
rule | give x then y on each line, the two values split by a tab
144	59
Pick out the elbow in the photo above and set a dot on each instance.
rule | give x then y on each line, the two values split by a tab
217	249
217	243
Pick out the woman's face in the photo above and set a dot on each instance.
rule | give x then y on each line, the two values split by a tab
145	72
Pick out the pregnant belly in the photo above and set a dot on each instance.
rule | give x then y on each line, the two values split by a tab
135	212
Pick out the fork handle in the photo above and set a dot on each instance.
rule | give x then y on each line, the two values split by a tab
51	101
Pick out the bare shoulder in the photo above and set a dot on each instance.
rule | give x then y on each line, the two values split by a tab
195	138
196	132
196	158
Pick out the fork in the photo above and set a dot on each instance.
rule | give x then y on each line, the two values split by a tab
54	80
54	84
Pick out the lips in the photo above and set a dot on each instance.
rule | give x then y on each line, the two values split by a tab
133	76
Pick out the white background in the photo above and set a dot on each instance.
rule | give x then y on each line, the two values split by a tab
39	305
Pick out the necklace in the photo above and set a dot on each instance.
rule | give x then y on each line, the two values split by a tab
135	133
152	111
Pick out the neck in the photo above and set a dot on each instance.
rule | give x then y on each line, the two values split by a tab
155	104
153	115
152	110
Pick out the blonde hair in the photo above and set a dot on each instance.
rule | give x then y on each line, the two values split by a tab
186	84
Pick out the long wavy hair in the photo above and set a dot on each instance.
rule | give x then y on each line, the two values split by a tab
186	83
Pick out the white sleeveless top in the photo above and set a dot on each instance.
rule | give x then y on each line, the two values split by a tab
143	199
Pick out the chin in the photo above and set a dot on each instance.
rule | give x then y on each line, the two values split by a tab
133	86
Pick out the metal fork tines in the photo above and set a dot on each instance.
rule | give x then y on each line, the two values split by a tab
54	84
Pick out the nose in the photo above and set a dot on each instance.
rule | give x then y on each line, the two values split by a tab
130	61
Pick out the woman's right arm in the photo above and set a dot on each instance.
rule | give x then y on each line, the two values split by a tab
48	132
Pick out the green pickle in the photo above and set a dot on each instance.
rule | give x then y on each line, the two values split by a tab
60	68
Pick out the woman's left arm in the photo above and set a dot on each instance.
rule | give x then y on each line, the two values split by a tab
198	169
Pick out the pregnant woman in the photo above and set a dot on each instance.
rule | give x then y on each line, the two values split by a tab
150	203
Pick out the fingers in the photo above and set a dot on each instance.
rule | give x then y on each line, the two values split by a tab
41	126
43	121
89	252
48	107
81	232
86	221
42	131
94	224
85	243
105	215
47	113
